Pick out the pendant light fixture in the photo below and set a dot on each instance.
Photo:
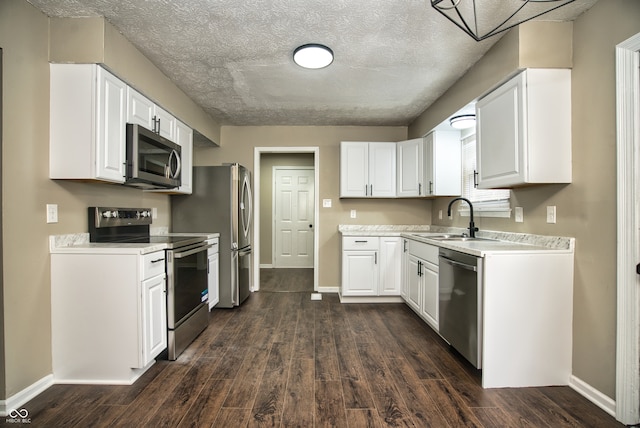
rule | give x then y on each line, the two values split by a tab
481	19
313	55
463	121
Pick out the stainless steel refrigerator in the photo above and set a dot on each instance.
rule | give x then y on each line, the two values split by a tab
221	202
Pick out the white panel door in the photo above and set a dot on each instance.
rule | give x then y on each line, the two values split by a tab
112	110
293	206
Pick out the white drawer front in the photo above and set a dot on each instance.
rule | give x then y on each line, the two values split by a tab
215	246
153	264
359	243
424	251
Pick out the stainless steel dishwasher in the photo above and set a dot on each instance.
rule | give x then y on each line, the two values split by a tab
460	303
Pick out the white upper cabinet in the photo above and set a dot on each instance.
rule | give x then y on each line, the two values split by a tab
367	169
143	111
87	125
410	168
443	163
430	166
184	138
524	130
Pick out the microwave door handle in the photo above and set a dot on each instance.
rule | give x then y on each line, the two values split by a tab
172	174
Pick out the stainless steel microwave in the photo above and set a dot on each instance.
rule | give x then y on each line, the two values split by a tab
153	162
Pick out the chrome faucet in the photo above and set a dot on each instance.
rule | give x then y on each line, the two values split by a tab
472	227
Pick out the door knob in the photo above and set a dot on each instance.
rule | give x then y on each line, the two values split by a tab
310	225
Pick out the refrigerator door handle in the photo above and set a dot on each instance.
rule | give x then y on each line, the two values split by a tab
246	191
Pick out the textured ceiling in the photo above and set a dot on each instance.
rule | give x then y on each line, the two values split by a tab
393	58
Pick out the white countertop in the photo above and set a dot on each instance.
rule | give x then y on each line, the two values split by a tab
78	243
502	242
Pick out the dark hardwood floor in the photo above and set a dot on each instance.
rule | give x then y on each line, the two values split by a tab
282	359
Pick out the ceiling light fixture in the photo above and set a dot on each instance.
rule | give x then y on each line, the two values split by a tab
463	121
484	21
313	55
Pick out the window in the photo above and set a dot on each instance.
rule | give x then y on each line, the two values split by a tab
486	202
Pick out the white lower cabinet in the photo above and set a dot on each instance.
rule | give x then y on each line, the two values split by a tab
108	315
371	266
421	280
213	256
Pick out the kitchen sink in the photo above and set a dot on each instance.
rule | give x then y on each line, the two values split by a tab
463	238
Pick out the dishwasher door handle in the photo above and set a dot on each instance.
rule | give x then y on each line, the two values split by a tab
458	264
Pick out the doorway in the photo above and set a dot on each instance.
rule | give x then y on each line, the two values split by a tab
265	158
628	234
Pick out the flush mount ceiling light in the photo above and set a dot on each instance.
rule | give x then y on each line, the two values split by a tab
486	20
463	121
313	55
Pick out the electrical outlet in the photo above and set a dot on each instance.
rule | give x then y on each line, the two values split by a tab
52	213
154	213
440	214
353	213
326	203
551	214
519	214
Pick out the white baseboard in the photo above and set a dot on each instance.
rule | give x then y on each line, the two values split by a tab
370	299
266	266
596	397
18	400
328	289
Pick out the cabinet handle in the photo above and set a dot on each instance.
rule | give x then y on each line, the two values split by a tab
375	258
361	242
366	190
158	131
404	246
419	189
157	260
372	190
475	179
419	264
431	187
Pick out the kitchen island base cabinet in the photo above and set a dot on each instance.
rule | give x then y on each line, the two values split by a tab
108	316
528	316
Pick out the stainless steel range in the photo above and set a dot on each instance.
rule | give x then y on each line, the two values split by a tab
186	269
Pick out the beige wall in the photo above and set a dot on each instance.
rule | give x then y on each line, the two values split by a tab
238	145
587	207
267	162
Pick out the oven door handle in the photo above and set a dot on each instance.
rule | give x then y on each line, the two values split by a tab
193	251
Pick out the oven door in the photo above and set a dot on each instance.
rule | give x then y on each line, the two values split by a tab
187	282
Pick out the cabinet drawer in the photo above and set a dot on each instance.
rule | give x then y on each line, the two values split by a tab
359	243
153	264
424	251
215	246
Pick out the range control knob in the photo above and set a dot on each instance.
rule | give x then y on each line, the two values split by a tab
145	213
109	214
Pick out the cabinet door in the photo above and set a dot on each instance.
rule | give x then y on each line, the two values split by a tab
500	155
111	129
414	282
354	169
443	163
410	168
390	266
214	280
139	109
154	318
382	170
360	273
165	123
184	137
429	306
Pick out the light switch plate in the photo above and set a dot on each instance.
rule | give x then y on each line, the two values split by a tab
52	213
326	203
519	215
551	214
